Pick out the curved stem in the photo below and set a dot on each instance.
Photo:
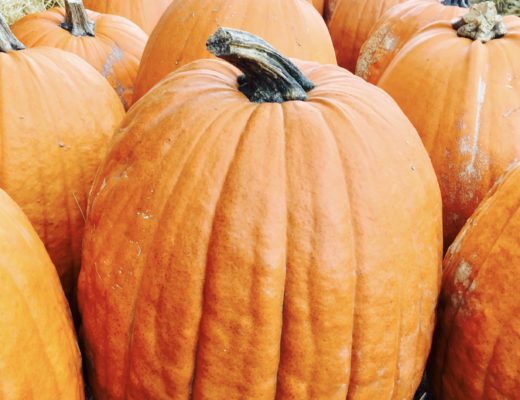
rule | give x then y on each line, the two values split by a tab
482	22
76	19
8	42
268	76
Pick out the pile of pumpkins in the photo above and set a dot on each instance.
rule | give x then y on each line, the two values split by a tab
221	210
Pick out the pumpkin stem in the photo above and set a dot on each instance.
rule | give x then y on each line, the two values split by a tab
457	3
76	20
8	42
268	76
482	22
504	7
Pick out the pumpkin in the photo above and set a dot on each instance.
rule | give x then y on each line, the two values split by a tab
269	235
111	44
57	113
39	356
350	22
319	5
476	344
462	95
144	13
291	25
395	28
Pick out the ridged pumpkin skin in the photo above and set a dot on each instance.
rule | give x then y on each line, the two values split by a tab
115	51
237	250
39	356
291	26
394	29
476	344
144	13
58	115
350	23
463	97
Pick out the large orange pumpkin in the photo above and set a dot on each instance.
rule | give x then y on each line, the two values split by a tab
394	29
350	22
463	97
291	25
57	113
111	44
144	13
476	344
39	356
278	241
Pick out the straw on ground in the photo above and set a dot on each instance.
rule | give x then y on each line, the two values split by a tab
13	10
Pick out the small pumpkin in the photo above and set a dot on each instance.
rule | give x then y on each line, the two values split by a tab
463	97
395	28
269	235
475	355
145	13
39	356
111	44
291	25
350	23
58	114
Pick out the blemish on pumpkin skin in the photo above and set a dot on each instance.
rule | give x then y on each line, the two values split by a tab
463	277
121	90
508	113
138	248
115	56
462	274
369	54
145	214
461	125
457	301
481	95
103	184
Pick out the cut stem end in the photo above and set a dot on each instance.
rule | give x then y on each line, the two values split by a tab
482	22
76	19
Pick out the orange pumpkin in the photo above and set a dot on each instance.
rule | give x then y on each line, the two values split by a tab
394	29
57	113
39	356
238	245
144	13
111	44
350	22
463	97
319	5
476	344
291	25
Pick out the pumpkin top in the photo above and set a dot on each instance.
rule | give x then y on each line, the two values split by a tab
8	42
482	22
76	19
268	76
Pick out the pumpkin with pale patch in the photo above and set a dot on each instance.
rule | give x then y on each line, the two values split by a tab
463	97
111	44
58	114
475	353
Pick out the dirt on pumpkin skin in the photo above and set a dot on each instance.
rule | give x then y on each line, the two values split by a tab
13	10
370	52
